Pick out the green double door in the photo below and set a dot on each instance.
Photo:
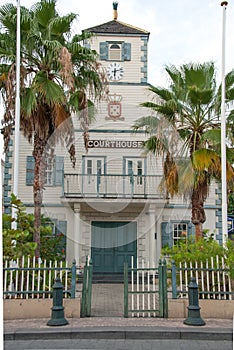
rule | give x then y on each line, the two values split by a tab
113	243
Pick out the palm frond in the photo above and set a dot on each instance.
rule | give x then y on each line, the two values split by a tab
59	26
206	160
43	12
149	124
48	89
28	101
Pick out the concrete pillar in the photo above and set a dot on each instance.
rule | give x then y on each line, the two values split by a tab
77	233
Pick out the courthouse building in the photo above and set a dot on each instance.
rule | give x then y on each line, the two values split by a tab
110	205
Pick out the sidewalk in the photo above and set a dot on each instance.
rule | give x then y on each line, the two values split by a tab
107	322
118	328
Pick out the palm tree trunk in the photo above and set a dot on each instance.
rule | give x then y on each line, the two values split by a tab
198	231
198	213
39	146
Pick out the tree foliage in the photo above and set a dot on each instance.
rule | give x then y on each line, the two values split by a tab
200	251
59	77
184	128
18	242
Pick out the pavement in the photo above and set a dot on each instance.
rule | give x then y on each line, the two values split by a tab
107	322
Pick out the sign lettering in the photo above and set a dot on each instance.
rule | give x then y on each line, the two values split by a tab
114	144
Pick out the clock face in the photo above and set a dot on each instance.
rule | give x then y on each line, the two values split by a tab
115	71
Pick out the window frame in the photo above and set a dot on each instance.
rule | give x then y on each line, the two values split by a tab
183	232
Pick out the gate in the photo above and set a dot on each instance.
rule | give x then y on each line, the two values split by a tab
87	289
145	290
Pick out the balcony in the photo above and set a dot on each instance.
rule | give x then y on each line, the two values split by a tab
112	186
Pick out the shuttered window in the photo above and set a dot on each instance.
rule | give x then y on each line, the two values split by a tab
115	51
53	172
59	228
173	232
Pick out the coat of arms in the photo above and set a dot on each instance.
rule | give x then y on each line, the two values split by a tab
114	107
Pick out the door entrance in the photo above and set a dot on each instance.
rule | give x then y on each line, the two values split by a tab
135	169
93	169
113	243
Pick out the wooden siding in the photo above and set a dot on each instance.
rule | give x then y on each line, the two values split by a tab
132	69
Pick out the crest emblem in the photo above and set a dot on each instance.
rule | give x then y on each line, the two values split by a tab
114	107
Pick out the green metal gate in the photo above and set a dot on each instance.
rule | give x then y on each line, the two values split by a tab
145	291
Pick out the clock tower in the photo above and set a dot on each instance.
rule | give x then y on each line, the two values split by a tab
122	50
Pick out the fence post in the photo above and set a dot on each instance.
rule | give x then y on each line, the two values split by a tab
173	280
194	318
89	287
84	292
57	317
73	284
125	289
160	281
165	299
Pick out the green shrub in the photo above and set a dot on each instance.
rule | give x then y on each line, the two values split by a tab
18	242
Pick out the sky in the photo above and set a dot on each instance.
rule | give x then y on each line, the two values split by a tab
181	31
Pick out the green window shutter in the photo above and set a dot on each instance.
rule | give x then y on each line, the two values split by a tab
126	51
191	230
30	170
166	232
58	171
61	229
103	51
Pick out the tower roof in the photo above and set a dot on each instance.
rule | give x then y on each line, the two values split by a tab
116	27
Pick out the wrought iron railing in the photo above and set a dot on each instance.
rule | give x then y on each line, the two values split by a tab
112	186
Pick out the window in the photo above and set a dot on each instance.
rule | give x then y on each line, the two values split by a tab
115	51
135	167
180	231
89	167
174	232
139	172
49	169
53	172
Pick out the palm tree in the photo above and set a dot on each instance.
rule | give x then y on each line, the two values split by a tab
59	77
185	129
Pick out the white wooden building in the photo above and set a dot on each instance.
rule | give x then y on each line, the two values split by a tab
110	206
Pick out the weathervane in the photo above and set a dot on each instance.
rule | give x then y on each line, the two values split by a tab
115	13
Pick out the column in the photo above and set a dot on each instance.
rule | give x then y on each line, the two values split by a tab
77	233
152	241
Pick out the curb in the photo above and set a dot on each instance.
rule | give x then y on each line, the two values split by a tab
121	333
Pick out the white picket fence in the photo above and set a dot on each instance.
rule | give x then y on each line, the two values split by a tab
212	277
144	290
28	278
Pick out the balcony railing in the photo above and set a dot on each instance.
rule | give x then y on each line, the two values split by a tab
112	186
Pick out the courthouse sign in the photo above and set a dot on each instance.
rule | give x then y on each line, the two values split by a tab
114	144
